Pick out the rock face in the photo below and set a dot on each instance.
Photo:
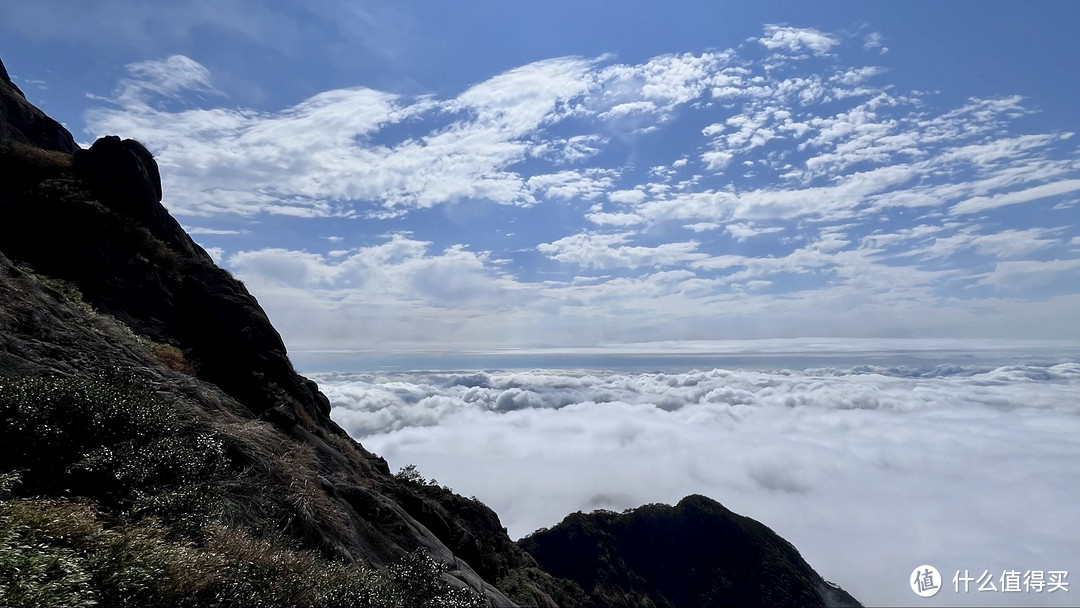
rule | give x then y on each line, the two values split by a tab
20	121
696	553
100	225
98	281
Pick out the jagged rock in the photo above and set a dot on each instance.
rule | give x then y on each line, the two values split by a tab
102	227
696	553
22	122
7	79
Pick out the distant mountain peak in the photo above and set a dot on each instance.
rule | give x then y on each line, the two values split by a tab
696	553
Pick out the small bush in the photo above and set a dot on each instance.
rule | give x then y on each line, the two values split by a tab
411	474
169	356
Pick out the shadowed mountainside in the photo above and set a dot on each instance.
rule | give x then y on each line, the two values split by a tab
696	553
154	427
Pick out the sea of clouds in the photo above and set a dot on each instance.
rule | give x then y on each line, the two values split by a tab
870	471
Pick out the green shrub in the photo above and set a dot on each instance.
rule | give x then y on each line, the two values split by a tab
35	570
416	580
108	437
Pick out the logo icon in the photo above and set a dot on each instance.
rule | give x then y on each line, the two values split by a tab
925	581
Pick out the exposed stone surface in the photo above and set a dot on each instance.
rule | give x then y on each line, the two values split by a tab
20	121
696	553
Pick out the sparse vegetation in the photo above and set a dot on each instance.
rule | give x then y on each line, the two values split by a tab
169	356
107	437
345	445
130	509
25	161
62	554
411	474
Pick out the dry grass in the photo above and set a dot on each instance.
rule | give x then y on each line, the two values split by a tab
169	356
343	444
25	157
289	468
58	553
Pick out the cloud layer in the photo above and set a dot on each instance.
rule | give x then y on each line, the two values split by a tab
869	471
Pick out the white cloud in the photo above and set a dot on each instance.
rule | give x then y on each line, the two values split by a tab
627	196
516	102
197	230
216	253
1015	243
657	86
717	160
1018	276
404	296
569	150
305	159
1009	243
703	226
400	268
985	203
586	185
874	40
961	454
744	231
601	218
630	107
282	267
604	251
318	158
795	39
167	78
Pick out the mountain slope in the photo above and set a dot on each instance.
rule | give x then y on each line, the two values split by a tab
696	553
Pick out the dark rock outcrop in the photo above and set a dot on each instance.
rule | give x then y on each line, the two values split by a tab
100	225
22	122
124	174
696	553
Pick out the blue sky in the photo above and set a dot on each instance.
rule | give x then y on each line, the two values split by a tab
492	175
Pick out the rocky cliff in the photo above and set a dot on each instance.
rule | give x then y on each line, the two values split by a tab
147	401
696	553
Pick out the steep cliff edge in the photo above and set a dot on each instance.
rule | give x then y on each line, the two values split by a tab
146	397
